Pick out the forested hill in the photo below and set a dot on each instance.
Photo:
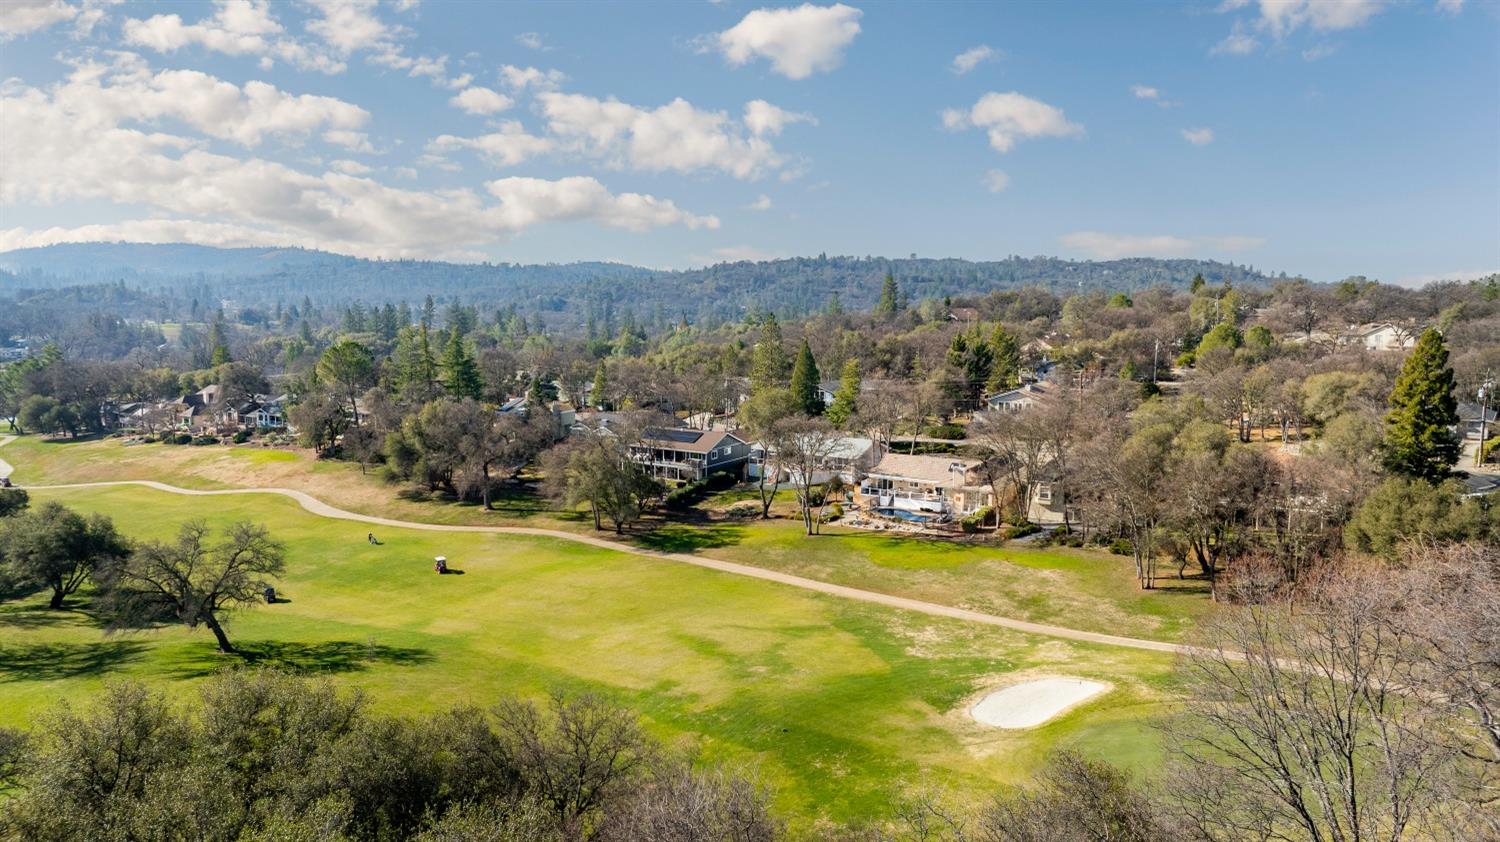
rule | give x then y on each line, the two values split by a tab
791	287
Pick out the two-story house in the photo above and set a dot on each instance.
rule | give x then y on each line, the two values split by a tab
685	455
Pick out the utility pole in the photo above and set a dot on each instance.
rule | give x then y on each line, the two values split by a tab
1155	352
1485	391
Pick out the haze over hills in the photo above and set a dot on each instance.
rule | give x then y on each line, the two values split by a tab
790	286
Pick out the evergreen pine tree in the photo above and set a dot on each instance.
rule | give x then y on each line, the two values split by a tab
463	380
974	361
768	362
1419	441
890	298
1198	284
846	400
598	394
1006	371
218	345
805	382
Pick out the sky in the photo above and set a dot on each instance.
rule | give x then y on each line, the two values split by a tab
1324	138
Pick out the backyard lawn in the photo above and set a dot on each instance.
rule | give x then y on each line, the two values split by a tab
839	705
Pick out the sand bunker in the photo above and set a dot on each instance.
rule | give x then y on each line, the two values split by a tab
1030	703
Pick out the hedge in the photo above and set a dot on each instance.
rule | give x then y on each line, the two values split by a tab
684	497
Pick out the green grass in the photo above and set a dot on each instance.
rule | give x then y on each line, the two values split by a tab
1085	589
837	704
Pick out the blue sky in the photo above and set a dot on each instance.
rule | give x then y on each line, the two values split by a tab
1322	137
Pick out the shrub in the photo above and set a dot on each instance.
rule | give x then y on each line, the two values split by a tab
1022	530
973	523
200	441
1121	546
720	481
177	438
241	436
946	431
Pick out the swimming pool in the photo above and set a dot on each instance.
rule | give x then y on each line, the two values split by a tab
902	514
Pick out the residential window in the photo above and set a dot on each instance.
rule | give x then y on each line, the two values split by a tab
1044	493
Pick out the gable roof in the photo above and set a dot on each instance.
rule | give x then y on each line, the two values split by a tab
934	469
682	438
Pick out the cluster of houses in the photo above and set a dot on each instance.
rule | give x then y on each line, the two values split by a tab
202	412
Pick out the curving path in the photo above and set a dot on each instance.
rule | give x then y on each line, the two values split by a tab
318	507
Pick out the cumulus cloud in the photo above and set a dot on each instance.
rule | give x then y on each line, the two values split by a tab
1198	137
1011	117
125	90
95	137
797	41
1279	18
237	28
762	203
348	167
527	201
675	137
481	101
762	118
972	58
1145	92
23	17
508	146
520	78
1105	246
995	181
532	41
1239	42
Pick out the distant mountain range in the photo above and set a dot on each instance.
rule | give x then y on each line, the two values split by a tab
791	287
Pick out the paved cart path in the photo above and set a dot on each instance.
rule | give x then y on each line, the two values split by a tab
322	509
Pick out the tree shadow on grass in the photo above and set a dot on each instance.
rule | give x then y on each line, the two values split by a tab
302	658
56	661
682	538
32	616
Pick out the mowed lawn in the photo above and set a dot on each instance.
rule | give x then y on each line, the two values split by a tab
1084	589
839	705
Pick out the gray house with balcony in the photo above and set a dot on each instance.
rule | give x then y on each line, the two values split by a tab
683	455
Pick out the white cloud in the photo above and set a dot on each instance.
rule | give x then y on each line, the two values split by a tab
99	94
1451	7
762	118
527	201
520	78
92	138
480	101
1279	18
675	137
1198	137
1319	51
762	203
348	167
995	181
237	28
350	140
532	41
143	231
1283	16
508	146
23	17
1239	42
1104	246
1145	92
1011	117
972	58
798	41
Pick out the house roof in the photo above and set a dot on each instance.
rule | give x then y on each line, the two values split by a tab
682	438
933	469
1028	392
